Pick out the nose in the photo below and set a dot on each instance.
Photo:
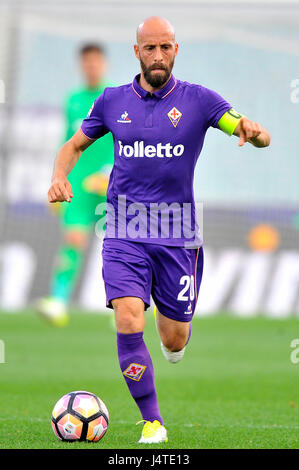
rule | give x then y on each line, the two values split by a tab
158	55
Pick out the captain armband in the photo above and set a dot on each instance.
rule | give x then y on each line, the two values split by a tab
229	121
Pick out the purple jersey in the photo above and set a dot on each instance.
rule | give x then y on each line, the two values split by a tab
158	138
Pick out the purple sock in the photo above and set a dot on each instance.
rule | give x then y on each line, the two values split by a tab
137	368
190	331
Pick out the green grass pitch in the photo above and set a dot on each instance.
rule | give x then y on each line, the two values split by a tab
235	388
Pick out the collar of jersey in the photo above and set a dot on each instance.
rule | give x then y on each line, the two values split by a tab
160	94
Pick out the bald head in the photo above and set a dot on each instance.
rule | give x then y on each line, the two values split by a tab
155	26
156	50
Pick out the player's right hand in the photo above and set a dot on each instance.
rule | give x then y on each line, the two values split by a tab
60	190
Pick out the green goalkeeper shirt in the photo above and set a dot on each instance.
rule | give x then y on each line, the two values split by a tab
99	157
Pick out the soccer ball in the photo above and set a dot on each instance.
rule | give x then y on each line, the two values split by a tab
80	416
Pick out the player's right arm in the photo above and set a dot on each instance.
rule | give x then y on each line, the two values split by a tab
93	127
68	155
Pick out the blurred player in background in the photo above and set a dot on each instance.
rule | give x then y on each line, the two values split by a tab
89	180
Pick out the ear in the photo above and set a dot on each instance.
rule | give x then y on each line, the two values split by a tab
176	48
136	50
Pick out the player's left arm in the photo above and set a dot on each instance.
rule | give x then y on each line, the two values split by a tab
252	132
248	131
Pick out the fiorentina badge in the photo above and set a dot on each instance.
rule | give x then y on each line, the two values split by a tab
134	371
174	115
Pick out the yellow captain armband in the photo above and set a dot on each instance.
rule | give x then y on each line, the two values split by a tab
229	121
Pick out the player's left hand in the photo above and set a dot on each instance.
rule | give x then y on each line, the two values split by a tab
248	130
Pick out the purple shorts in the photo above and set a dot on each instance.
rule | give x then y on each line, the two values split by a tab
171	275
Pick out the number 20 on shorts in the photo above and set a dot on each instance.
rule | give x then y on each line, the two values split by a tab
188	285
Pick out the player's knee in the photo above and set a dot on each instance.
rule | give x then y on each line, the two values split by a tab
174	344
175	340
174	337
125	322
129	315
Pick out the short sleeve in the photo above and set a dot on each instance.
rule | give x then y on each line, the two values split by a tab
93	125
214	106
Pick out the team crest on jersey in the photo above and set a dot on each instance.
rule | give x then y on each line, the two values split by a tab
134	371
189	310
175	116
124	118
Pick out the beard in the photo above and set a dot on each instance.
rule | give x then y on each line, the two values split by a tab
156	80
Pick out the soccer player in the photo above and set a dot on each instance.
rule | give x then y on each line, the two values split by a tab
89	180
158	123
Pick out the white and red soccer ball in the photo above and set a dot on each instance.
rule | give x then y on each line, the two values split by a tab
80	416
